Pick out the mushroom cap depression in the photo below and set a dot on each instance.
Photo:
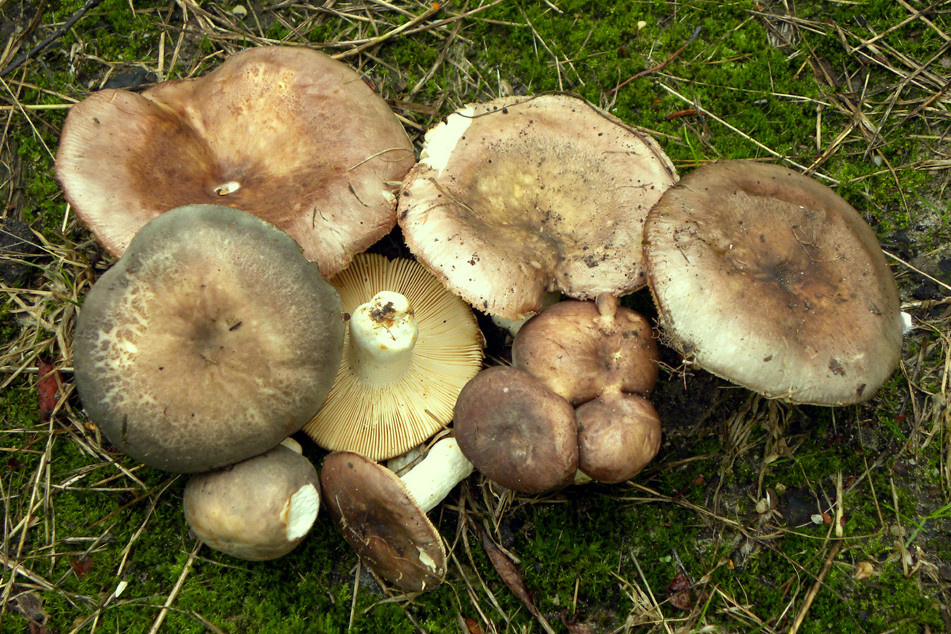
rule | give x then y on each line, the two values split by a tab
285	133
518	196
258	509
390	417
768	278
208	342
382	522
516	431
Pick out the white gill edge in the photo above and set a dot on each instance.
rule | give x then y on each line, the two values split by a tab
441	140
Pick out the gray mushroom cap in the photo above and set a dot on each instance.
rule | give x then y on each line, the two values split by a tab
208	342
768	278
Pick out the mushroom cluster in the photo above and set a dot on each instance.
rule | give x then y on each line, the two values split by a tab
574	405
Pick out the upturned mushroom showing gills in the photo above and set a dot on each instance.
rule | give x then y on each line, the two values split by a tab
521	196
769	279
258	509
410	347
285	133
208	342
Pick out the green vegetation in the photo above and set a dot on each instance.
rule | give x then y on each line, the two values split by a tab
736	79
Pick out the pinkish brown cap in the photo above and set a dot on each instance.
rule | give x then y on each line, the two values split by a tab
579	349
516	431
519	196
618	435
382	522
285	133
768	278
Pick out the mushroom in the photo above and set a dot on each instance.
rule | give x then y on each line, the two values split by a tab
208	342
581	349
516	431
258	509
383	517
602	358
520	196
410	347
285	133
769	279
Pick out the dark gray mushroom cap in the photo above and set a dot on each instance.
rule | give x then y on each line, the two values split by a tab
516	431
382	522
768	278
208	342
285	133
258	509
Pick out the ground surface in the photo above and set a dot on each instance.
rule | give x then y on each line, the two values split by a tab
732	528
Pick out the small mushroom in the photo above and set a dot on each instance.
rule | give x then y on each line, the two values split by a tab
383	517
521	196
618	435
258	509
208	342
769	279
410	347
580	349
516	431
285	133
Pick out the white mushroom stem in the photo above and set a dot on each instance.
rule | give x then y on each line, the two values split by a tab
382	337
431	480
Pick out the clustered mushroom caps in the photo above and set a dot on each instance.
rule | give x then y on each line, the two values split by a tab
258	509
768	278
285	133
518	425
166	338
520	196
410	347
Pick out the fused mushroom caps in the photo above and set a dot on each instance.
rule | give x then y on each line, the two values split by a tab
767	278
382	522
258	509
516	431
579	349
285	133
618	435
410	347
208	342
518	196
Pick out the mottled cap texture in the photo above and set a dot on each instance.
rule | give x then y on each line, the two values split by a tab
768	278
521	196
285	133
208	342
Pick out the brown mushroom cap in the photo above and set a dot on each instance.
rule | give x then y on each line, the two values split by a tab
517	197
382	522
208	342
578	349
285	133
618	435
391	415
258	509
516	431
768	278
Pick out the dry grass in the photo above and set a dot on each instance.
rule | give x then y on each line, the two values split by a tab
191	37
